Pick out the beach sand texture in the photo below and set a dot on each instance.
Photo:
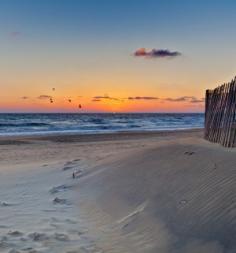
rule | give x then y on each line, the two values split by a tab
145	192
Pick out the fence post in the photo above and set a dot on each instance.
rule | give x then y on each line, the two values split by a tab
220	113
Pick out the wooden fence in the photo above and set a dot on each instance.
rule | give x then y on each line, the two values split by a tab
220	112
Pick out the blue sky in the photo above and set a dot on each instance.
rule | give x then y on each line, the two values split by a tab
88	45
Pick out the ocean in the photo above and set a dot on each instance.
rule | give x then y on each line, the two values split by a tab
59	123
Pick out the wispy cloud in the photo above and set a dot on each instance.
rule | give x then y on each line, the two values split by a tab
105	97
190	99
43	97
197	100
178	99
24	97
156	53
142	98
96	100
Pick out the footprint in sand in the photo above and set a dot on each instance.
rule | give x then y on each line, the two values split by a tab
38	237
60	188
77	173
5	204
15	233
70	164
61	201
189	153
67	168
61	237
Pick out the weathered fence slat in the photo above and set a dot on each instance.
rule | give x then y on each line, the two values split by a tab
220	114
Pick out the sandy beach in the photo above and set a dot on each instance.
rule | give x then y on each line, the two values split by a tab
117	126
127	192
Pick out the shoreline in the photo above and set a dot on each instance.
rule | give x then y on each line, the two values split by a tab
14	126
99	136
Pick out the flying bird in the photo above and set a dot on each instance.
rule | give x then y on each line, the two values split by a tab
80	106
53	89
69	100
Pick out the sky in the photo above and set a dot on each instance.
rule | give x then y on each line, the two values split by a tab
114	55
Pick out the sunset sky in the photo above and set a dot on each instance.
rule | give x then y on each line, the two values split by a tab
114	56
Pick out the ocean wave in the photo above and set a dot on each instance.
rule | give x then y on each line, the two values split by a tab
29	124
20	124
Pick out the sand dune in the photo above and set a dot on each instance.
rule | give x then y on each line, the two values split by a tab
177	196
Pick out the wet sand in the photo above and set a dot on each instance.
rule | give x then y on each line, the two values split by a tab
131	192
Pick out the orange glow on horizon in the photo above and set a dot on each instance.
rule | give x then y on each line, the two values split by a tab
105	105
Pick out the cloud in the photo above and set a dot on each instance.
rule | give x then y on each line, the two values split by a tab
197	100
43	97
96	100
105	97
190	99
179	99
142	98
15	34
156	53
